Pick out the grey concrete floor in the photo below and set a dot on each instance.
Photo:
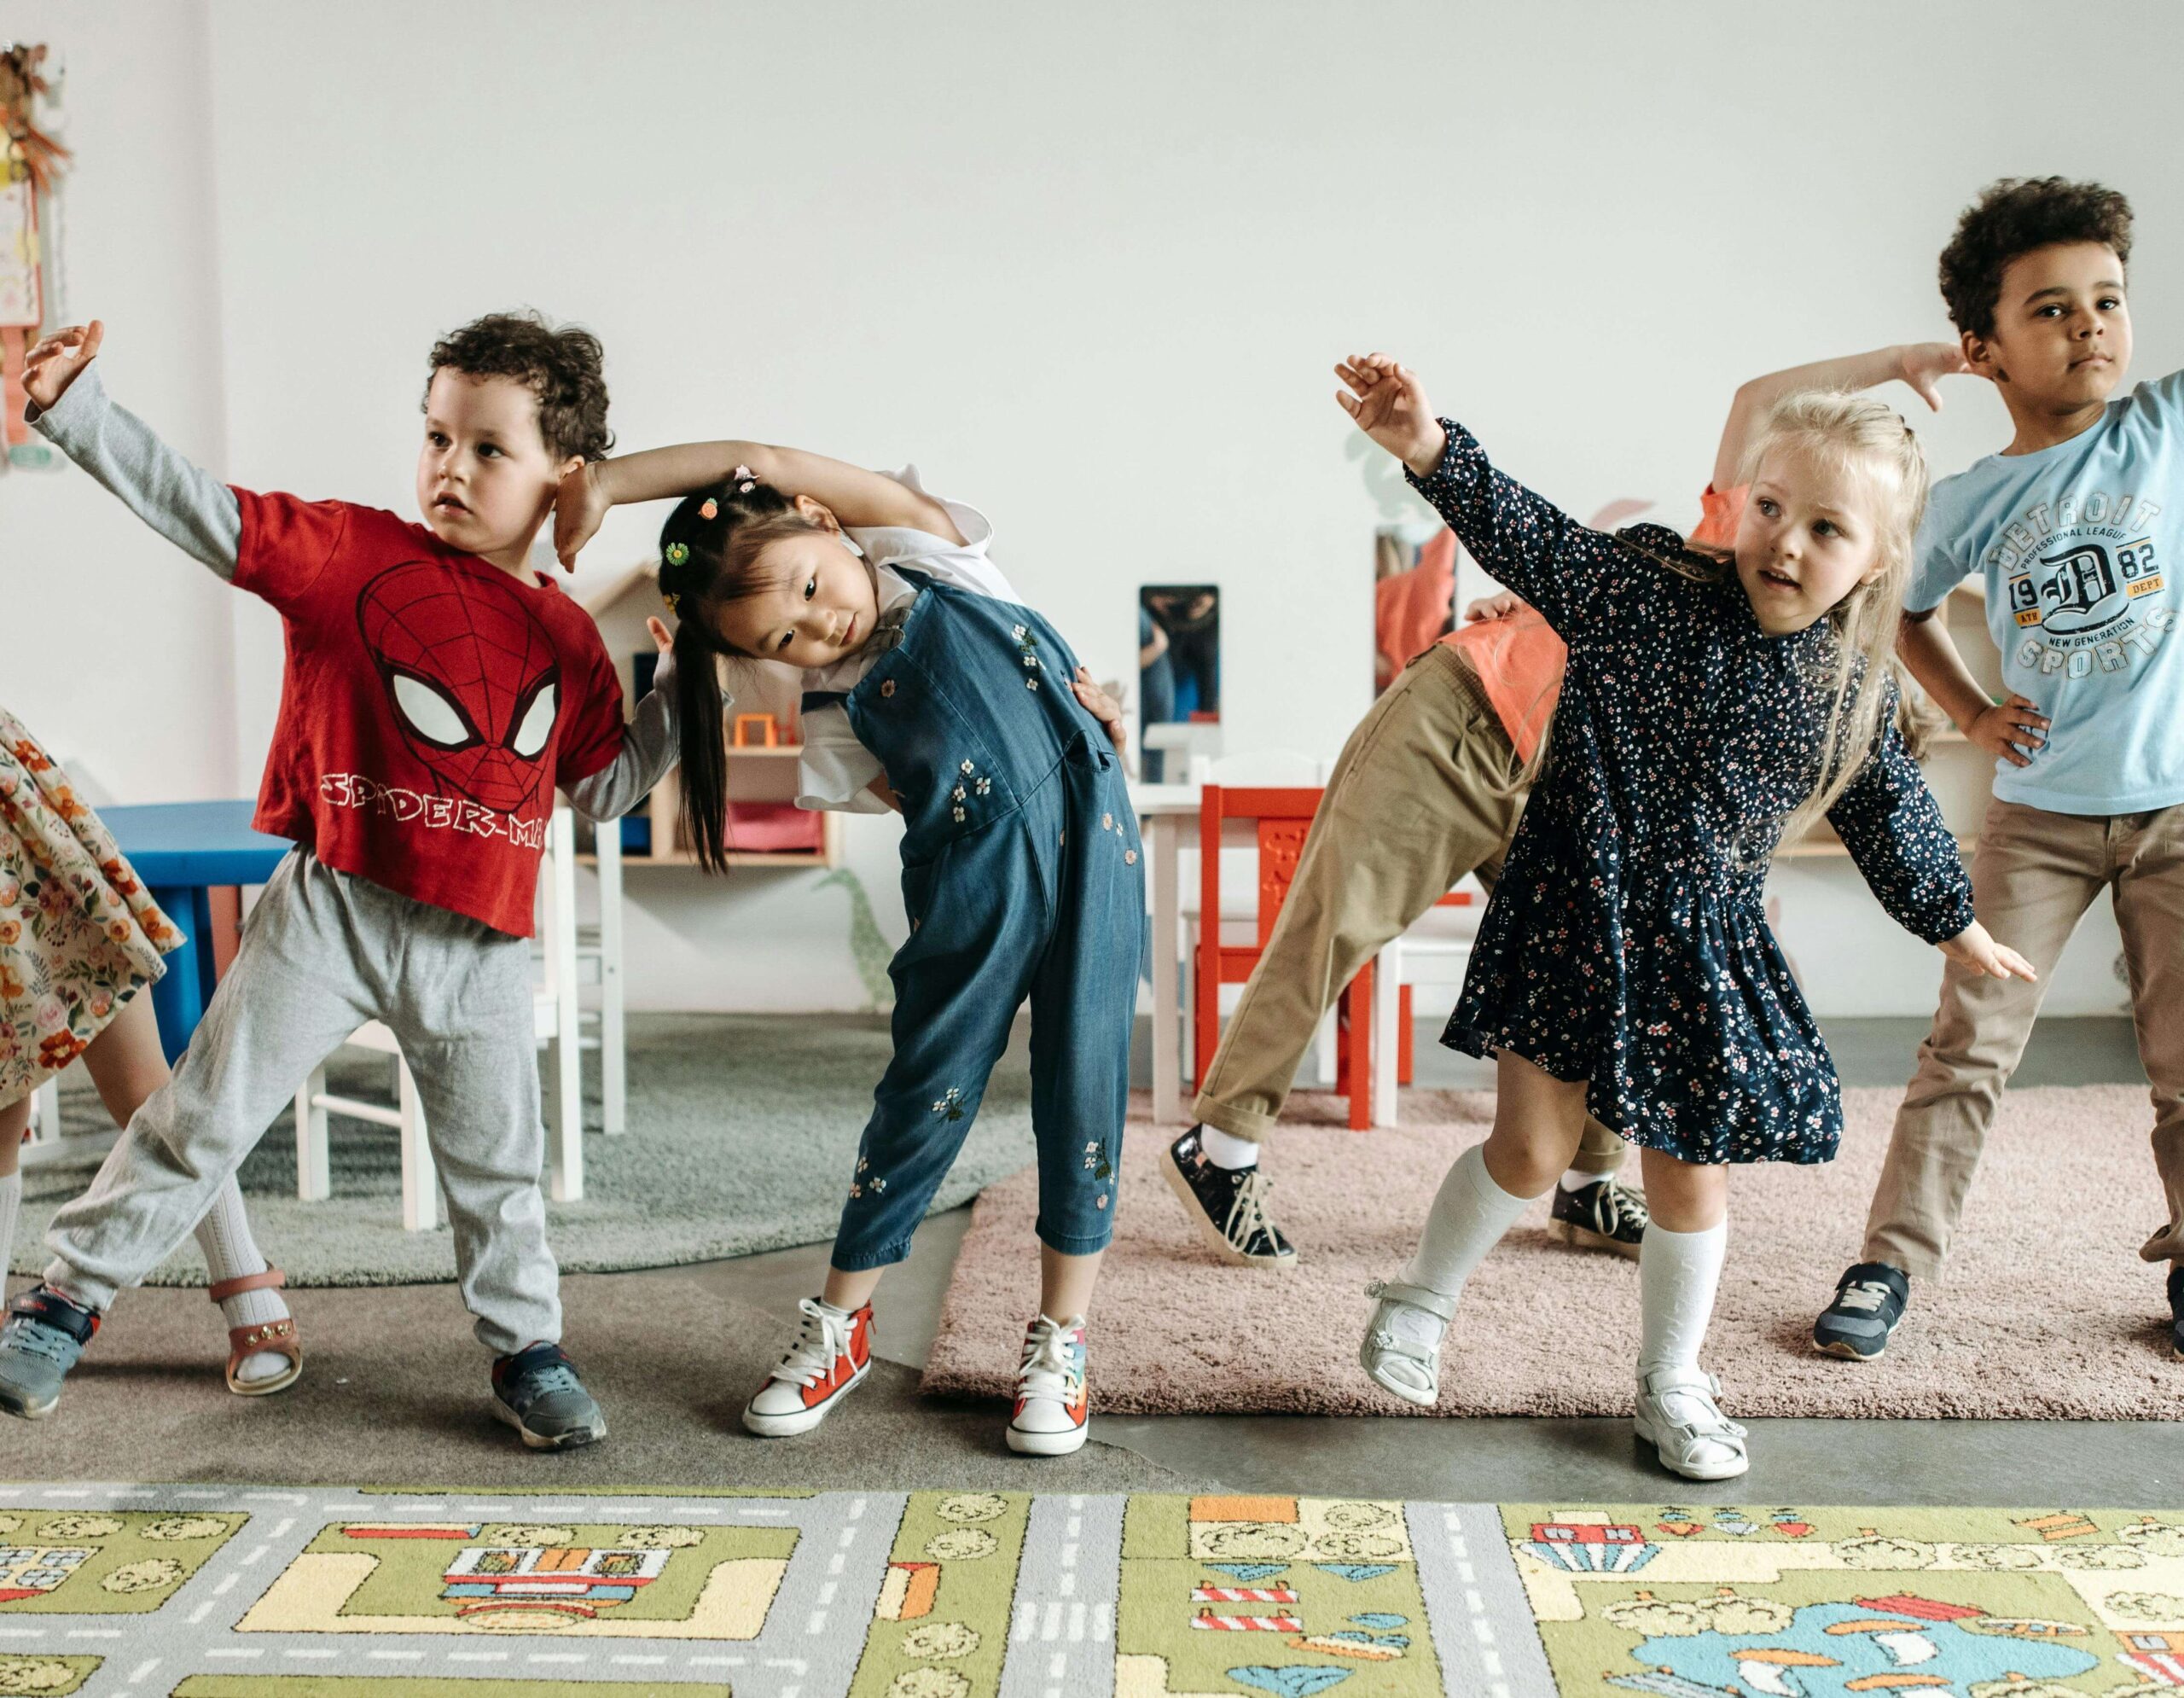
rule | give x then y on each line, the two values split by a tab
2081	1463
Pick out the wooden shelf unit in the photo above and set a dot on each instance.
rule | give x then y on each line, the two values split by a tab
754	775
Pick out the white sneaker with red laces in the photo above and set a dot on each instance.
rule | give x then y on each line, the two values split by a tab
1051	1400
832	1353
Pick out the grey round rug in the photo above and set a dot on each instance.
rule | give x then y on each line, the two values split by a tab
743	1132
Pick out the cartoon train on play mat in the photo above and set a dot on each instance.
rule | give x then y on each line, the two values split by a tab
504	1585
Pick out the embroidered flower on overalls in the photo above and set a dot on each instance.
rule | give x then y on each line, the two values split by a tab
1030	659
1106	822
1099	1201
1129	857
1096	1163
970	767
886	686
1030	683
863	1163
985	786
879	1184
856	1190
959	814
958	794
951	1106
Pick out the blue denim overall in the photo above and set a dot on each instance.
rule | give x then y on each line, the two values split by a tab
1023	877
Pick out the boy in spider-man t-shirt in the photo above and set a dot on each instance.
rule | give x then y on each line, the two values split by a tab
437	692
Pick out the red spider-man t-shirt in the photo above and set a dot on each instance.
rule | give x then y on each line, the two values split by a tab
429	706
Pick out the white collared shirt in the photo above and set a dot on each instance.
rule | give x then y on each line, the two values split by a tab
836	769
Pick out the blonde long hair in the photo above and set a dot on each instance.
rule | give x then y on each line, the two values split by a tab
1868	439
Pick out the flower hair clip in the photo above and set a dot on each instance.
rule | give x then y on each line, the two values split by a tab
677	553
674	602
744	478
710	510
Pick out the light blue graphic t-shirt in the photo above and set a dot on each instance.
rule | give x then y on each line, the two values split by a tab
2079	545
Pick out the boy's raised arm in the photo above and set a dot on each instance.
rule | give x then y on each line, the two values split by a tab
1920	364
68	406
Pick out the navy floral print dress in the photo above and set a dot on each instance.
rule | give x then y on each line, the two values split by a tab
1625	944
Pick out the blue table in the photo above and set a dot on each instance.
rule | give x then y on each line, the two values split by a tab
182	852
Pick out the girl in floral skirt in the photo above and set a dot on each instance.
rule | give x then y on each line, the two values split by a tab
79	938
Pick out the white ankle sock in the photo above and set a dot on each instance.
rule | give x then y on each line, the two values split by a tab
1576	1178
1469	1215
1677	1275
11	1198
230	1253
1226	1151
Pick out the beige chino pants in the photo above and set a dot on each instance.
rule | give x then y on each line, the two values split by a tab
2034	874
1419	798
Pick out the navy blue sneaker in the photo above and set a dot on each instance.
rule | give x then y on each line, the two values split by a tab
1869	1305
2176	1311
44	1335
537	1392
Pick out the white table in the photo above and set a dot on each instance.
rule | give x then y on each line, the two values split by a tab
1165	812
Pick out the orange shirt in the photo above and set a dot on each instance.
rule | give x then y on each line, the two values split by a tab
1518	659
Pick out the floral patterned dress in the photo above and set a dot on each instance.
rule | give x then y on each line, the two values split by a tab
1626	944
79	935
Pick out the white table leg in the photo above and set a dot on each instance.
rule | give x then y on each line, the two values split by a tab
1388	1023
1167	928
613	1035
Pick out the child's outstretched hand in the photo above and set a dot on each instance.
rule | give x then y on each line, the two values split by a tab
1104	708
1502	607
1924	364
1973	950
579	505
57	362
1389	404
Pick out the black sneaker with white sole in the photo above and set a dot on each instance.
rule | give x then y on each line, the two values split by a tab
1227	1205
1600	1216
1868	1306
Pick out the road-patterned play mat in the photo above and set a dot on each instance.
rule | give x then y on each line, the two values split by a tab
234	1592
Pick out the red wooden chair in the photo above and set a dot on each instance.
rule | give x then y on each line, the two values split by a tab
1284	816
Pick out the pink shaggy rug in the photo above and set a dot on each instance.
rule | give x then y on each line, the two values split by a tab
2047	1310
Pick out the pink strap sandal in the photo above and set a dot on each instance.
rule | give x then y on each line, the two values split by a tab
278	1337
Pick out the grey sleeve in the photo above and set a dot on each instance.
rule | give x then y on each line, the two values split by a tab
183	503
651	745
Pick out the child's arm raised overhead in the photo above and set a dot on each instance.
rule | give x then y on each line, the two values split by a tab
855	495
1525	540
68	406
1893	828
1920	364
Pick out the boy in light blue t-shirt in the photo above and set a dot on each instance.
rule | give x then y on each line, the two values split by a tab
2076	532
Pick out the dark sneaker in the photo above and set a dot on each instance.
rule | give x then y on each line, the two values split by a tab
1227	1205
44	1335
2176	1312
1600	1216
1868	1303
537	1392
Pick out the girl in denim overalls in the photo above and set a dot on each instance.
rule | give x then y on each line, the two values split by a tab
931	690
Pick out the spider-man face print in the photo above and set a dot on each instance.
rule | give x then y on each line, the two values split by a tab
470	676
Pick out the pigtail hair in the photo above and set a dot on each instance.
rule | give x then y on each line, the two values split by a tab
709	556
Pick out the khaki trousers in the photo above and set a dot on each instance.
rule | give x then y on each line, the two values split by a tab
2033	874
1419	798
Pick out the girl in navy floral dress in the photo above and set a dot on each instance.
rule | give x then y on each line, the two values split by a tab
1712	707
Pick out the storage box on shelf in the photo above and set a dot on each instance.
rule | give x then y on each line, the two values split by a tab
1960	773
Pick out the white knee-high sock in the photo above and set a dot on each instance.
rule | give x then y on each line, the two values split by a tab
1470	1214
1678	1273
11	1198
224	1235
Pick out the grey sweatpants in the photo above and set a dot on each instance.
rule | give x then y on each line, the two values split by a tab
322	953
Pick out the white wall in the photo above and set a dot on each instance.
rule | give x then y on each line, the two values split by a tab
1089	269
119	650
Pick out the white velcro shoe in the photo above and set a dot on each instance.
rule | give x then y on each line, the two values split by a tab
1679	1416
1402	1349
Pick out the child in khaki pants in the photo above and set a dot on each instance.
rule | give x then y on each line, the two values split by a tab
1428	789
2074	529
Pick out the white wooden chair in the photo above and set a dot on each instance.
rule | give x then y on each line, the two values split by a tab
1440	937
554	1023
604	1027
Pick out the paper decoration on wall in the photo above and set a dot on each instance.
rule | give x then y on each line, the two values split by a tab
31	161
